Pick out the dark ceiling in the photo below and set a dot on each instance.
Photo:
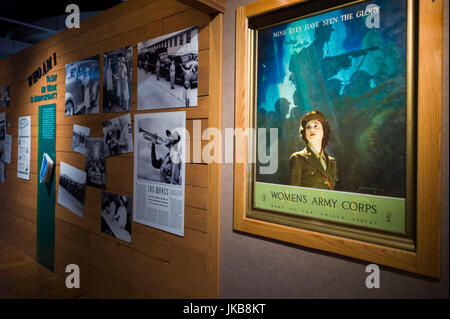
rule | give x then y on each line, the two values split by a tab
47	18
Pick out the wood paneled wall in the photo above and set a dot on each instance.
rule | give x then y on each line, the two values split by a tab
156	264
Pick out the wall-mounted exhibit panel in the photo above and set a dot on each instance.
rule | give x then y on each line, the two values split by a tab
95	75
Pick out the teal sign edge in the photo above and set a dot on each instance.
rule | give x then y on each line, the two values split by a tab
45	232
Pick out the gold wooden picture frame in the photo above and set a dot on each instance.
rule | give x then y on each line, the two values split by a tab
415	246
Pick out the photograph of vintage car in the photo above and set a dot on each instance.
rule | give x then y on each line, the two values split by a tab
168	70
82	87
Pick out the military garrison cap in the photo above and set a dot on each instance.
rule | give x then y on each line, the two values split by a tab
313	115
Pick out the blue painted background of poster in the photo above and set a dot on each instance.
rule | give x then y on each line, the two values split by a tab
350	64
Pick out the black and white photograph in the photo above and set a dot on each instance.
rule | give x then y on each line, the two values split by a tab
80	133
168	70
2	169
117	67
7	148
95	162
118	135
2	129
82	87
159	170
116	216
4	96
72	188
160	148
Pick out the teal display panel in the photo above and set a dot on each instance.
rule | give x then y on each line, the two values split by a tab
45	243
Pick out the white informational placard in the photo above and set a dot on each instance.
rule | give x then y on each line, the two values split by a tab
23	155
159	170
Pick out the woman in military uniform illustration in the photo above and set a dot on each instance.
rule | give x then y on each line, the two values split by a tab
312	166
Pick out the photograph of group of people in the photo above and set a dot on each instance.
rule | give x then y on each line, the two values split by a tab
168	70
117	66
4	96
95	162
116	216
72	188
80	134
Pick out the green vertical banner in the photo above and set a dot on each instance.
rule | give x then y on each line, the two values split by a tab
45	243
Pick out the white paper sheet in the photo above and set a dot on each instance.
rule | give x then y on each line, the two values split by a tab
23	155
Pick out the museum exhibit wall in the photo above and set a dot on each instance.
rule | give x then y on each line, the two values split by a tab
156	263
256	267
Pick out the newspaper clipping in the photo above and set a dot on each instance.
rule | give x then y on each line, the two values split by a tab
159	170
23	165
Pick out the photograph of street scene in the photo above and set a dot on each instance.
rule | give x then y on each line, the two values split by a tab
168	70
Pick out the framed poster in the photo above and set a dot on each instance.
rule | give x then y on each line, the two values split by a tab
328	92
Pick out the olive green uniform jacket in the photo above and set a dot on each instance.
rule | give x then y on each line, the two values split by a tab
307	171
